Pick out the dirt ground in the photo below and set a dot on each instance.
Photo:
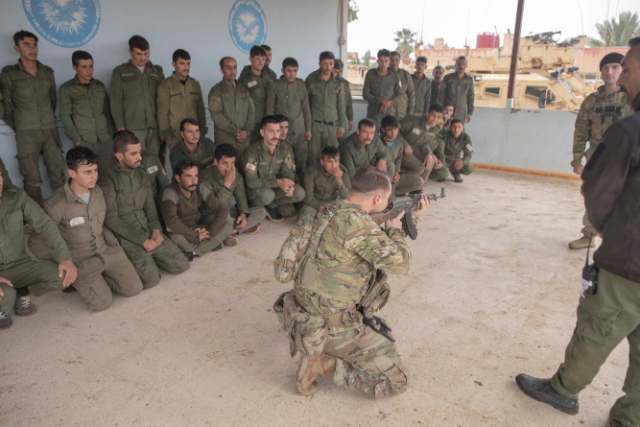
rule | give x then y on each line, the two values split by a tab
492	292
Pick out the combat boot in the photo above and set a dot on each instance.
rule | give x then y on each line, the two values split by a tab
253	230
273	214
5	320
230	241
457	177
583	242
541	390
614	423
311	367
24	306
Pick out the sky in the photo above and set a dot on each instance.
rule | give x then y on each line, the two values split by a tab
460	20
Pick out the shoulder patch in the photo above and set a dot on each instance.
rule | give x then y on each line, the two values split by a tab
169	194
205	192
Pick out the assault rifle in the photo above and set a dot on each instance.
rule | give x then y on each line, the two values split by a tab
407	205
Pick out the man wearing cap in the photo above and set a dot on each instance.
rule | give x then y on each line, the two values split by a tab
597	113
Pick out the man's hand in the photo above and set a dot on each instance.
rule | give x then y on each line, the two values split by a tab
457	164
156	236
340	132
408	151
241	222
203	234
577	169
286	185
77	143
71	272
228	180
395	222
422	206
321	208
396	178
429	161
242	136
382	165
6	282
438	164
350	125
468	118
337	173
307	136
149	245
119	129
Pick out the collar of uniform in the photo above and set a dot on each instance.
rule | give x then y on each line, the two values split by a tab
70	195
419	78
76	81
147	65
347	204
125	171
285	81
38	64
186	149
319	76
176	78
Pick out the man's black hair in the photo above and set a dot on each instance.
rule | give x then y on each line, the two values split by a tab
269	120
257	51
437	108
80	55
327	55
182	54
80	156
187	120
366	123
226	150
390	121
289	62
21	35
183	165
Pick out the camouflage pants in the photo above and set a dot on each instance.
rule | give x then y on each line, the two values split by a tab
321	136
166	256
367	361
40	276
5	174
587	229
307	210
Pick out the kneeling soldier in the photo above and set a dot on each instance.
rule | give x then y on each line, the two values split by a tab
180	202
78	209
132	214
456	144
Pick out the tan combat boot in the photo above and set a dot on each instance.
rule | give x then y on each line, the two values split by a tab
311	367
582	243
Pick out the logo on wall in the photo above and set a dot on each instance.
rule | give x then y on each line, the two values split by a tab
247	24
66	23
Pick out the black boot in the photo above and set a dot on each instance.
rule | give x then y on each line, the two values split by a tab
540	389
457	177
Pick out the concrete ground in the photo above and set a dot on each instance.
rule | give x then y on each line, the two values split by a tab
492	293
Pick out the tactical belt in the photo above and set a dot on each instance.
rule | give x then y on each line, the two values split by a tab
325	123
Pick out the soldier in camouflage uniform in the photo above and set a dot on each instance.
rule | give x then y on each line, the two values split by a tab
132	214
363	148
597	113
350	250
256	80
422	87
338	69
456	144
458	89
29	104
134	95
269	173
192	146
231	109
422	133
406	104
381	89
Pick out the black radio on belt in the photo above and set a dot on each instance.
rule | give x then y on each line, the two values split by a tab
589	274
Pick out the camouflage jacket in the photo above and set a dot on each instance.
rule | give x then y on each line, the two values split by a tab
459	92
407	101
596	114
422	88
262	168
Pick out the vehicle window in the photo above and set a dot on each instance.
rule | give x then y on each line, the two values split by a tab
492	91
534	91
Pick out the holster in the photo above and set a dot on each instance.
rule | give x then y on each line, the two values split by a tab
377	295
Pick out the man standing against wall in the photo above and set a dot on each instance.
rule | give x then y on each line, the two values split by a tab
599	111
381	89
267	63
29	101
422	87
407	101
256	80
338	71
457	88
134	93
438	73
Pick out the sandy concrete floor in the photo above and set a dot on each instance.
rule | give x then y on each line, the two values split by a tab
492	292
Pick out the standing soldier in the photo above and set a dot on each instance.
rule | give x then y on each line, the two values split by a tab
256	80
381	89
29	101
599	111
333	340
438	73
422	86
192	146
85	112
132	214
327	103
231	108
267	62
457	88
407	101
179	97
134	93
338	70
288	96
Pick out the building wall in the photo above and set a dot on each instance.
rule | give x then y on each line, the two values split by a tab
298	28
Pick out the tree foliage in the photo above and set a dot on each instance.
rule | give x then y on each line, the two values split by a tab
405	39
353	11
617	33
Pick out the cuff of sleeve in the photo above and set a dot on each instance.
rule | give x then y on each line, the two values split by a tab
141	239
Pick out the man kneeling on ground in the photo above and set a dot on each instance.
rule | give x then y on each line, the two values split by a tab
456	144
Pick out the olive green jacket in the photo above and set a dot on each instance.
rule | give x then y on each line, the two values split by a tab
257	87
261	168
290	100
423	141
202	155
459	92
326	99
348	98
85	112
407	101
155	172
354	156
29	102
232	111
379	88
134	96
422	88
453	148
176	102
321	190
394	153
211	179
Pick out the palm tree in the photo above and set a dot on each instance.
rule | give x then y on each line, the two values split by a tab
618	33
432	46
405	38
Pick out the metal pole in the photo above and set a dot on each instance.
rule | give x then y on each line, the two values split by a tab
514	54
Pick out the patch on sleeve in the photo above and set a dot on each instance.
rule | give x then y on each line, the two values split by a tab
469	147
76	221
251	167
417	131
252	83
170	195
152	169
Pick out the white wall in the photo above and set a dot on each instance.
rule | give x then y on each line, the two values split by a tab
298	28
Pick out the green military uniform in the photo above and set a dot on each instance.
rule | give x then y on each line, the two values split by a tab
132	216
327	104
232	112
435	92
134	96
378	88
260	173
291	100
459	92
272	74
349	251
599	111
202	155
406	103
86	116
178	100
233	197
423	142
408	182
29	109
103	267
321	189
354	156
348	99
257	87
15	265
155	173
182	216
453	148
422	87
3	170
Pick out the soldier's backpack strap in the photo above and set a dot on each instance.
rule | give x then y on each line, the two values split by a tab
321	221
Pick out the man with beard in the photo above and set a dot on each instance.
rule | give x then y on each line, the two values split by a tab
363	148
193	146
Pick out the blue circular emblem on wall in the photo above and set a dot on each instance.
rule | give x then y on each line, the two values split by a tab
247	24
66	23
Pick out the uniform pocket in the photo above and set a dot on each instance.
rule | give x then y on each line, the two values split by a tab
595	320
